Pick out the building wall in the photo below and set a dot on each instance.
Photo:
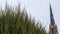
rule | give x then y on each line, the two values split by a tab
53	29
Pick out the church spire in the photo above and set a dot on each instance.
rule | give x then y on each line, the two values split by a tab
51	16
53	26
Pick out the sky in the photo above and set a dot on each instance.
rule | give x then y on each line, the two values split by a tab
39	9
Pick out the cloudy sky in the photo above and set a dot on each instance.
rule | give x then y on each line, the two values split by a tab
39	9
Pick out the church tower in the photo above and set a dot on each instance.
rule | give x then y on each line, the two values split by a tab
53	26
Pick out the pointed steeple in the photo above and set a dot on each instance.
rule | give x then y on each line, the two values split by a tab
51	16
53	26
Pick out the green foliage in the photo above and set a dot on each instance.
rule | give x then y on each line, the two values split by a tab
18	22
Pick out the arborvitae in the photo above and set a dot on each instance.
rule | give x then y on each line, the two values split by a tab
12	22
